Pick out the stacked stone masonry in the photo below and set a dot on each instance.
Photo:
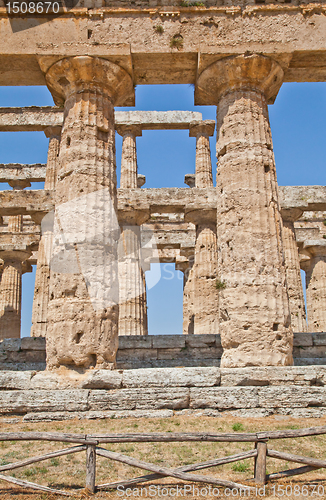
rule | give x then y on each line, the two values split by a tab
240	244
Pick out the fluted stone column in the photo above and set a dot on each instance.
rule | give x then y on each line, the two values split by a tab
129	170
188	295
11	293
205	301
292	267
42	278
132	288
315	269
254	306
83	304
11	280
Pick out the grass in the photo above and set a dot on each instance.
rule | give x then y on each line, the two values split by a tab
68	472
220	285
176	42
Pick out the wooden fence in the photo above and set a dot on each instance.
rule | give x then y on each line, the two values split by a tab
91	444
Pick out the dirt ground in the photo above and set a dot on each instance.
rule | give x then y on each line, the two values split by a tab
68	472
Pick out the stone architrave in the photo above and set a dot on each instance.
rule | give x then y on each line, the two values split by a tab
11	280
129	169
42	278
82	328
187	268
255	323
315	269
292	267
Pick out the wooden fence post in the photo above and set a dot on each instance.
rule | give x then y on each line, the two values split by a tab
260	462
90	467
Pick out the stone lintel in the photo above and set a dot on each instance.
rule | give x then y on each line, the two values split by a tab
19	172
163	200
38	119
303	234
315	247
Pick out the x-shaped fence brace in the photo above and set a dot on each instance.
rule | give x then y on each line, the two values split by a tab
90	444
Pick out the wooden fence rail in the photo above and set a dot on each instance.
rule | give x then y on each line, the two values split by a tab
90	443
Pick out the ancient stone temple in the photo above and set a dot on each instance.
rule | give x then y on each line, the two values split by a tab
241	244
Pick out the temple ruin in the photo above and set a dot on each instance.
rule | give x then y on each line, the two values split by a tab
241	244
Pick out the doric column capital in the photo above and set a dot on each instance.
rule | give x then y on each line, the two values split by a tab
141	180
19	185
202	127
53	132
316	248
201	216
14	255
190	180
243	72
134	130
291	214
84	73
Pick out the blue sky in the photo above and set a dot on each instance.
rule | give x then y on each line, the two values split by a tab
298	121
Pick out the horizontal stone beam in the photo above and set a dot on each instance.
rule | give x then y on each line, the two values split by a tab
39	118
18	172
26	202
161	200
305	198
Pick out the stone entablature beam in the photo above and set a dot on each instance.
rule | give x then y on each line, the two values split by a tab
18	171
37	119
160	199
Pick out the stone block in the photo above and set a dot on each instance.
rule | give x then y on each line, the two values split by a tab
131	354
171	353
135	342
33	343
309	361
292	397
200	340
224	398
10	345
11	380
273	375
316	351
140	398
205	353
302	339
102	379
172	377
168	341
319	339
20	402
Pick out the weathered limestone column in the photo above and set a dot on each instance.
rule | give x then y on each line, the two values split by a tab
11	293
315	269
187	267
254	306
42	278
132	288
202	130
292	267
129	170
11	280
82	326
205	299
